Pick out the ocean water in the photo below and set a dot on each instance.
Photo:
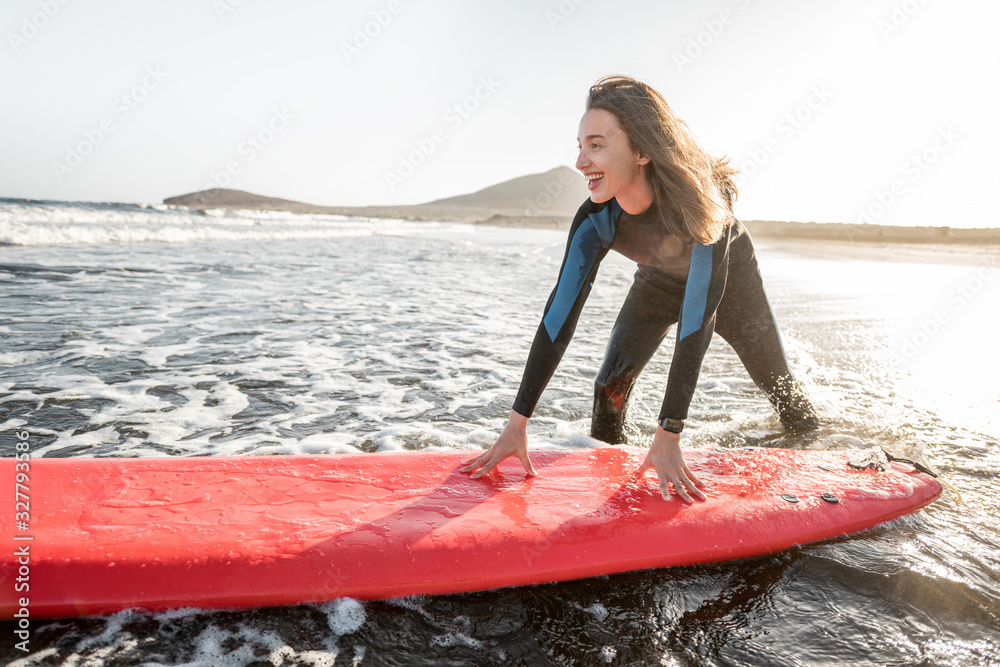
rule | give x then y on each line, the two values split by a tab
151	331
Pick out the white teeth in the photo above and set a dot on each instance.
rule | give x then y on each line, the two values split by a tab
594	177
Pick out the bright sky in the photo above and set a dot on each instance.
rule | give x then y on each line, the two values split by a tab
831	109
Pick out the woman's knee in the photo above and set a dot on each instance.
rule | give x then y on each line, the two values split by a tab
611	396
612	391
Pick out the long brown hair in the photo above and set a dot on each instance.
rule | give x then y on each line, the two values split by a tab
693	191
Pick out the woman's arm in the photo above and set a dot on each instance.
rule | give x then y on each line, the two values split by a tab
706	284
590	236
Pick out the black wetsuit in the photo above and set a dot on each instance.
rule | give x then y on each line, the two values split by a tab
706	288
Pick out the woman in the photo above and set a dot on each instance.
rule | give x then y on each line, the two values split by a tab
660	200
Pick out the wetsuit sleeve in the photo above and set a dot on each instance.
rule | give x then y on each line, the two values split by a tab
706	283
590	236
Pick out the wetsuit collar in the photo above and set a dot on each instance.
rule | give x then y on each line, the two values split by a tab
647	217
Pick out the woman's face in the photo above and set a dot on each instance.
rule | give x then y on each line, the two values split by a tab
609	164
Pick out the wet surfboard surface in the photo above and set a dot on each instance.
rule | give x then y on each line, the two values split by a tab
106	534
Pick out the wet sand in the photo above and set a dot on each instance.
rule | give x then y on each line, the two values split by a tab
838	232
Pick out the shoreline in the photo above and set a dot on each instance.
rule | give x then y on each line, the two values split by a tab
510	217
769	229
764	229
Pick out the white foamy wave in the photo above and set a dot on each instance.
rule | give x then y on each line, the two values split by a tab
456	639
58	224
214	646
344	615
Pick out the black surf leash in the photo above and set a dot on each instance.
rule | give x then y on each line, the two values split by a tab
873	461
919	466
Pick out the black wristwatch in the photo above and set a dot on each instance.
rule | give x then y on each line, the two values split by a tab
672	425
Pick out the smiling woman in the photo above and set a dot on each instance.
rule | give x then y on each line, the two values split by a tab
657	198
685	182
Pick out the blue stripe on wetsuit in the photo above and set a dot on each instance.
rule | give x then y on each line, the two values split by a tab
594	234
696	292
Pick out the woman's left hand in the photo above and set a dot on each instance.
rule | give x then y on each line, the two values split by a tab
666	459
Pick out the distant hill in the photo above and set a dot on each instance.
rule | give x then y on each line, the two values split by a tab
548	199
557	191
223	198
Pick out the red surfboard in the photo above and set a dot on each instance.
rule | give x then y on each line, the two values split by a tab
106	534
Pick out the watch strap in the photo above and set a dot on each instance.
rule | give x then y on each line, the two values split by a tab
672	425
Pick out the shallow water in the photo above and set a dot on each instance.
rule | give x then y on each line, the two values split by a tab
133	331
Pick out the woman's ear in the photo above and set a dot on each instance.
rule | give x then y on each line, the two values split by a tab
643	160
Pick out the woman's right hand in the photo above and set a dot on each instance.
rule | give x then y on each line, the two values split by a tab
512	442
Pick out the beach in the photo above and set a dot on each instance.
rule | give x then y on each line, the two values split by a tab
167	331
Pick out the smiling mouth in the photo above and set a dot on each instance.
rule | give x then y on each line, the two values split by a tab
593	180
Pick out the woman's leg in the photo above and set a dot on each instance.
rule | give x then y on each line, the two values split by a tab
745	321
650	309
